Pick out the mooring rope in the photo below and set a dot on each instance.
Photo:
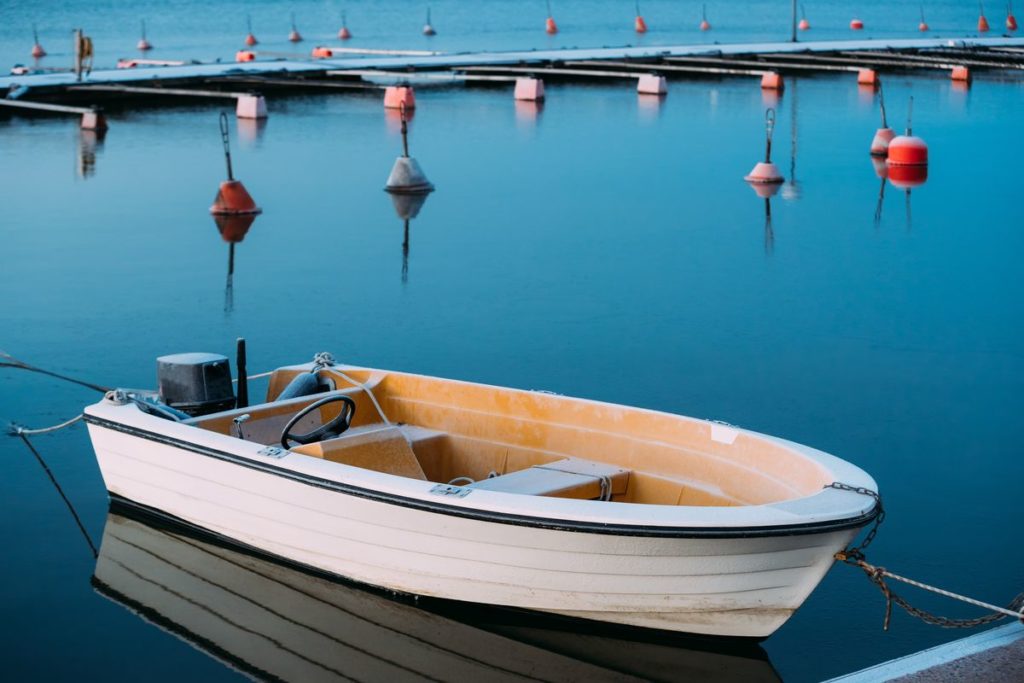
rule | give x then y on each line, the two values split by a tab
56	485
13	362
325	359
854	556
18	430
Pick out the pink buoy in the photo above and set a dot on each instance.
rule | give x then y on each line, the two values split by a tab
294	36
399	97
651	84
343	32
143	45
250	37
765	172
804	25
550	27
37	49
529	90
705	25
923	26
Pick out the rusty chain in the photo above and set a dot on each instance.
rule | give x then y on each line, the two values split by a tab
854	556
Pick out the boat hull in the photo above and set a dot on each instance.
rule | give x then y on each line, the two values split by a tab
728	584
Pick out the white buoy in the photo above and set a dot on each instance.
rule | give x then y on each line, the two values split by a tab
406	175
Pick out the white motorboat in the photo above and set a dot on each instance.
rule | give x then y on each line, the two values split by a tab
489	495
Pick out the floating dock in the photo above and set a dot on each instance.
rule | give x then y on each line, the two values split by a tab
1003	54
993	655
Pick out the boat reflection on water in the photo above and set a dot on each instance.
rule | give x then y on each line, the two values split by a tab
90	143
407	207
276	622
233	230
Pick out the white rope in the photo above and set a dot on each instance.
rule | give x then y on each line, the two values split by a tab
365	388
955	596
259	376
17	430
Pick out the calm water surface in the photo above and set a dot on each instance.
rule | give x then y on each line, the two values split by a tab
600	246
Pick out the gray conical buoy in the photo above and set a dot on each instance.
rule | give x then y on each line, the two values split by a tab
406	175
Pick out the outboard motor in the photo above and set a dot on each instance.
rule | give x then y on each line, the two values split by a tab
195	383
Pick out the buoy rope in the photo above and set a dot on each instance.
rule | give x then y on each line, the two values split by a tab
18	430
67	502
12	362
854	556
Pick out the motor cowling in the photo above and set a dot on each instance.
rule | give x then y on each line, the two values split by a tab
195	383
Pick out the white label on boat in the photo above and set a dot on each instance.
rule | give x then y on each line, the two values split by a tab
275	452
723	433
449	490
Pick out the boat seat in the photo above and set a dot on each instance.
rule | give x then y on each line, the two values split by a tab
568	478
375	447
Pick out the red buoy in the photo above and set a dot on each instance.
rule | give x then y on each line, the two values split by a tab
37	49
705	25
765	172
294	36
908	149
639	25
857	25
1011	21
961	73
343	32
143	44
232	198
250	39
550	27
982	21
245	56
804	25
923	26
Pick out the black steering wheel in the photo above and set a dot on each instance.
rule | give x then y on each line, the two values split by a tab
333	428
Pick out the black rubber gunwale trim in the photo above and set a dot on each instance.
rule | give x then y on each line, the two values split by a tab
499	517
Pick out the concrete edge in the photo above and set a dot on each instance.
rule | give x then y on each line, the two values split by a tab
936	656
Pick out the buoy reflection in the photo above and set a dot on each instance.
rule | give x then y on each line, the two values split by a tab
407	207
233	230
250	132
528	112
90	143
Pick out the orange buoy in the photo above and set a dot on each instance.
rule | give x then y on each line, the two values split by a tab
343	32
961	73
245	56
322	52
923	26
294	36
705	25
804	25
765	172
232	197
37	49
1011	21
982	21
639	25
867	77
772	81
250	39
428	30
908	149
399	97
233	229
550	27
143	44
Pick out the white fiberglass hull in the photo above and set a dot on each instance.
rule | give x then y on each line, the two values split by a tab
363	526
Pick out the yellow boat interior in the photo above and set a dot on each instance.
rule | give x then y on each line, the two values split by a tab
524	442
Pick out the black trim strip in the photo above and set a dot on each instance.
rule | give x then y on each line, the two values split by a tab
498	517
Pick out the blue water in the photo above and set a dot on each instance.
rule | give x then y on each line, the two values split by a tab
602	247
